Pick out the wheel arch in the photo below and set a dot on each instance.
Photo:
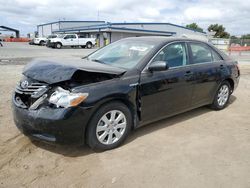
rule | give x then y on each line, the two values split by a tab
231	82
58	43
126	102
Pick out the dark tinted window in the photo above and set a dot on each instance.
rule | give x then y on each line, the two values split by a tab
70	37
82	36
175	54
201	53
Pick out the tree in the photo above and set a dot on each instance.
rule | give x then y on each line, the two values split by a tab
220	31
194	26
233	37
247	36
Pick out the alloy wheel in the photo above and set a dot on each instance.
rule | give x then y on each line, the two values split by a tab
223	95
111	127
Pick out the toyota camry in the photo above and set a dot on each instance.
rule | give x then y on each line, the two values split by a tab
100	98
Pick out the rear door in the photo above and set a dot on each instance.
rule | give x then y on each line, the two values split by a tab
164	93
206	64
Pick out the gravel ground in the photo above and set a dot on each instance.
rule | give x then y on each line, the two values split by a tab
200	148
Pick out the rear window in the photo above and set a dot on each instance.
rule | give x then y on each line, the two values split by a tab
201	53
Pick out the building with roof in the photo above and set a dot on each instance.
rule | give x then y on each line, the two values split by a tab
47	29
107	32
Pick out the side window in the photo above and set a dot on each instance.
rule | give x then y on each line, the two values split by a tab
175	54
67	37
216	56
70	37
201	53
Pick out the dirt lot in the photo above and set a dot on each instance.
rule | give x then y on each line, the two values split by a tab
200	148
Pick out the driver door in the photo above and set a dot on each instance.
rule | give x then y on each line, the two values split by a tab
164	93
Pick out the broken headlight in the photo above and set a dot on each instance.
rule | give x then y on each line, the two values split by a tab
64	98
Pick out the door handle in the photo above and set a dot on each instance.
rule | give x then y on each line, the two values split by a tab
188	74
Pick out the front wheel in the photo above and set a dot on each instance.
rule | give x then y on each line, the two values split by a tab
109	126
222	96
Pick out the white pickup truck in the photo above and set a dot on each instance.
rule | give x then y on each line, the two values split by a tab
71	40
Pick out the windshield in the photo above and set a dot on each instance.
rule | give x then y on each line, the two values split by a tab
124	53
52	36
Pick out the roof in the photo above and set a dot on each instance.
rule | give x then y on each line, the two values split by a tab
109	27
103	25
110	24
68	21
155	23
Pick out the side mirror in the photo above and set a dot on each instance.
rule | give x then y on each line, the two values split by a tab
158	66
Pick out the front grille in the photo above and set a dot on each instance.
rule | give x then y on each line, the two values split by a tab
33	89
30	95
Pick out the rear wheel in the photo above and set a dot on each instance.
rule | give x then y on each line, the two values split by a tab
58	45
42	43
109	126
222	96
89	45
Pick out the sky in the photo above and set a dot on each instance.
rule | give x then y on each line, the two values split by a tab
25	15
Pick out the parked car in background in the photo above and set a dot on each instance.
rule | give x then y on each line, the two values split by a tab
31	42
1	40
127	84
40	41
72	40
43	40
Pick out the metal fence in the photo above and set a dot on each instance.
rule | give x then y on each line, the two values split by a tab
231	45
239	42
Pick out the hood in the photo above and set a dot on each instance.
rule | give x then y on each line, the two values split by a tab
58	70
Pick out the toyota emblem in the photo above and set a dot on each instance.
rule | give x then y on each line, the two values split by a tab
24	84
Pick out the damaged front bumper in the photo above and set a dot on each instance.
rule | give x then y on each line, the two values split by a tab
49	124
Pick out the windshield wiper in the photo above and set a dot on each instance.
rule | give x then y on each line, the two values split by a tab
97	60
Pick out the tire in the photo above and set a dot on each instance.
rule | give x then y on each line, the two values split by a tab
42	43
107	137
89	45
58	45
222	96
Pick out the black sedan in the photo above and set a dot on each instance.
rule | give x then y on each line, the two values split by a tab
132	82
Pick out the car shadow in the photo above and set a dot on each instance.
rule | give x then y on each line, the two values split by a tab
68	150
147	129
83	150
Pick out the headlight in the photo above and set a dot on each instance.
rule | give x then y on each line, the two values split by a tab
64	98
